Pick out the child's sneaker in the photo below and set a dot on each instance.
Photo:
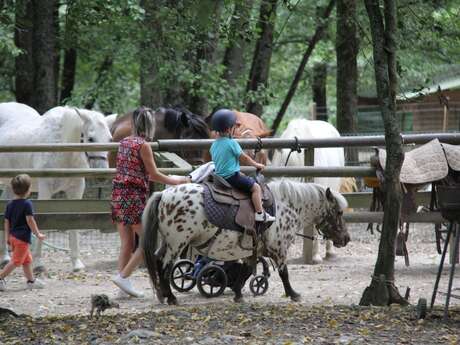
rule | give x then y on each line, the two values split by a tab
126	286
264	217
36	284
2	284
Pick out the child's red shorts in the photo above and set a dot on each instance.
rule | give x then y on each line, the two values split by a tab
21	252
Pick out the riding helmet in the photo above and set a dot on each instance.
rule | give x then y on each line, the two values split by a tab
223	119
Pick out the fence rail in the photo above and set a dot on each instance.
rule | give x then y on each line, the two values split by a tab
268	171
268	143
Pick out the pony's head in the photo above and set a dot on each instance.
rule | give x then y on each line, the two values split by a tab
94	130
186	125
332	226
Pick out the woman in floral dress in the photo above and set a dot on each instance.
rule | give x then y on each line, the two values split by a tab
130	190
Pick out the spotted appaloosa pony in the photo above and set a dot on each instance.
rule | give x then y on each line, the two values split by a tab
326	157
175	218
177	123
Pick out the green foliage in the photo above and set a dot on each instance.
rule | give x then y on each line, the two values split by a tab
428	47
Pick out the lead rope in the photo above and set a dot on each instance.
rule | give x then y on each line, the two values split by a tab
295	147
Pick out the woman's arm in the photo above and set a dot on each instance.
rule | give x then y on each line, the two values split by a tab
246	160
152	170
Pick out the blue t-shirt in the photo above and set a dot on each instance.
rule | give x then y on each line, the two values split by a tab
225	152
16	212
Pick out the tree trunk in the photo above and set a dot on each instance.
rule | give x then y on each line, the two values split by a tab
44	55
234	53
70	57
24	63
322	24
346	48
206	51
260	68
150	55
68	74
319	90
384	53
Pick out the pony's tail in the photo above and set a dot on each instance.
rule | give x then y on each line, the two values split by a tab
149	240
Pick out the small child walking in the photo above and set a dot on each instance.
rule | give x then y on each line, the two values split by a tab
19	225
227	155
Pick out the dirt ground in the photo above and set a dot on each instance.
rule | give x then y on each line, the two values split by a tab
324	287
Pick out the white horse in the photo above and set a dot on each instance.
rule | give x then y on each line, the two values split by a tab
20	124
177	218
325	157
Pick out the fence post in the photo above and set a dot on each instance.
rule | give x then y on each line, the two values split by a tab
309	160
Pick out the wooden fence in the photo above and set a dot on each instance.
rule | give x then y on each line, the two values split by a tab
94	214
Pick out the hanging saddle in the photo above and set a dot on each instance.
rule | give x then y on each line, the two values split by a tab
433	163
228	208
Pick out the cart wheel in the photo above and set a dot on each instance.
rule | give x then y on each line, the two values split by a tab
181	275
258	285
421	308
211	281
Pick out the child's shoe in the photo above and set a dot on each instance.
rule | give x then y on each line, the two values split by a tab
264	217
125	285
36	284
2	284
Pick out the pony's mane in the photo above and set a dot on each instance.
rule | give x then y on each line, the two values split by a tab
197	123
303	192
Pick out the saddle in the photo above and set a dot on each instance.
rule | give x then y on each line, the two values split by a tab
228	208
434	163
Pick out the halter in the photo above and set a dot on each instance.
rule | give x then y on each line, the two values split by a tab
89	156
295	147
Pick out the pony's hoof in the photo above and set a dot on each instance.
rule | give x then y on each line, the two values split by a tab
172	301
77	265
296	297
316	260
238	299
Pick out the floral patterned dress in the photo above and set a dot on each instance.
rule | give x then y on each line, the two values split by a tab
130	187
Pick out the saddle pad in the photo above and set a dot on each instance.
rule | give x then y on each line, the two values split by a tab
221	215
453	155
424	164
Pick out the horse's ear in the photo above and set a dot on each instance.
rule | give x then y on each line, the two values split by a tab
84	116
329	194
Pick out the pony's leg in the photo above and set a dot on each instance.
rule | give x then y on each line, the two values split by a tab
75	192
4	255
316	256
244	273
164	273
330	251
284	275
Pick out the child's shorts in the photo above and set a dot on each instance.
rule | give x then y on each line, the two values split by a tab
241	182
21	252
